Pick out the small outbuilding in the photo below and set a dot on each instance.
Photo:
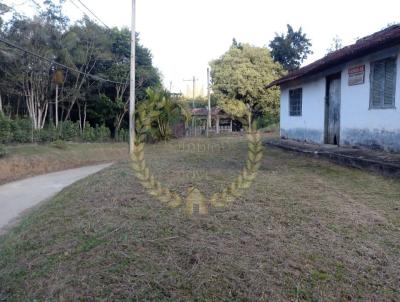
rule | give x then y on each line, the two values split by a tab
349	97
221	122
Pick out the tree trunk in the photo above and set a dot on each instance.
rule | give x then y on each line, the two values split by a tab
84	116
56	106
80	117
118	122
18	103
1	104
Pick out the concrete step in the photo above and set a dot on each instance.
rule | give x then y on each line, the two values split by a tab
384	163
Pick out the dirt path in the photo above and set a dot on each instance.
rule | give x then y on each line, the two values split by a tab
18	196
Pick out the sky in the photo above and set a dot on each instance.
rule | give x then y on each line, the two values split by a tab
185	35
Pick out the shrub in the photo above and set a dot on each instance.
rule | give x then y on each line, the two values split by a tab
59	144
123	135
48	134
266	120
89	133
22	130
69	131
102	133
5	129
3	151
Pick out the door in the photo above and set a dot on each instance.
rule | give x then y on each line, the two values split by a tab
332	112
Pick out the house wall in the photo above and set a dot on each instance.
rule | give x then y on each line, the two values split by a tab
360	125
310	125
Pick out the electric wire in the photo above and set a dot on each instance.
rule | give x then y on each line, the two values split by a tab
13	45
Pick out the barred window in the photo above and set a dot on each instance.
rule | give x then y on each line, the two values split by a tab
383	83
295	102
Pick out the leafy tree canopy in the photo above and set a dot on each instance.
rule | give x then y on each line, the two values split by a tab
335	45
83	45
290	49
239	77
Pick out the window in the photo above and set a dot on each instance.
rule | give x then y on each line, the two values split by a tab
295	102
383	84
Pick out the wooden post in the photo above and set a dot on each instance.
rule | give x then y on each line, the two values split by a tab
217	124
231	125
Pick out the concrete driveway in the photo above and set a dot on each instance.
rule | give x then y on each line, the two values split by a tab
18	196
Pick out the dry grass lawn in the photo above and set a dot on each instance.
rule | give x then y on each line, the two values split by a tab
33	159
307	230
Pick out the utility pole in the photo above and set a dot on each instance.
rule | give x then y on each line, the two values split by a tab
209	101
194	88
132	81
194	95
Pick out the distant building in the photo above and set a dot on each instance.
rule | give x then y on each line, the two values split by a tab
220	122
349	97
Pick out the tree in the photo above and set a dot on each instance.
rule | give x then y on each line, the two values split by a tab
46	92
31	75
335	45
236	44
146	76
290	49
3	9
28	76
239	77
86	45
160	111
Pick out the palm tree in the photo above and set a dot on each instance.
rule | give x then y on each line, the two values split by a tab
160	112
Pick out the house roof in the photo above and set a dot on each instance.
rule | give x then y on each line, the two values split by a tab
204	111
382	39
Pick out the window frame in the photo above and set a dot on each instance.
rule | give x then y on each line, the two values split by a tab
300	100
382	104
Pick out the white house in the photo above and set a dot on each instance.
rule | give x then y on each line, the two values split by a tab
349	97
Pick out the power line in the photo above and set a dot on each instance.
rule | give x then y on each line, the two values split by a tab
80	9
76	5
37	4
85	6
94	15
10	44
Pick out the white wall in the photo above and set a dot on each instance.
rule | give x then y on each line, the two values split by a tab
310	125
359	124
364	126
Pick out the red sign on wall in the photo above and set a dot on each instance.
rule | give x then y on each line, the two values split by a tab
356	75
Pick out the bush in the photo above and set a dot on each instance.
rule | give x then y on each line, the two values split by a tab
69	131
48	134
266	120
5	129
123	135
3	151
59	144
22	131
102	133
89	134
